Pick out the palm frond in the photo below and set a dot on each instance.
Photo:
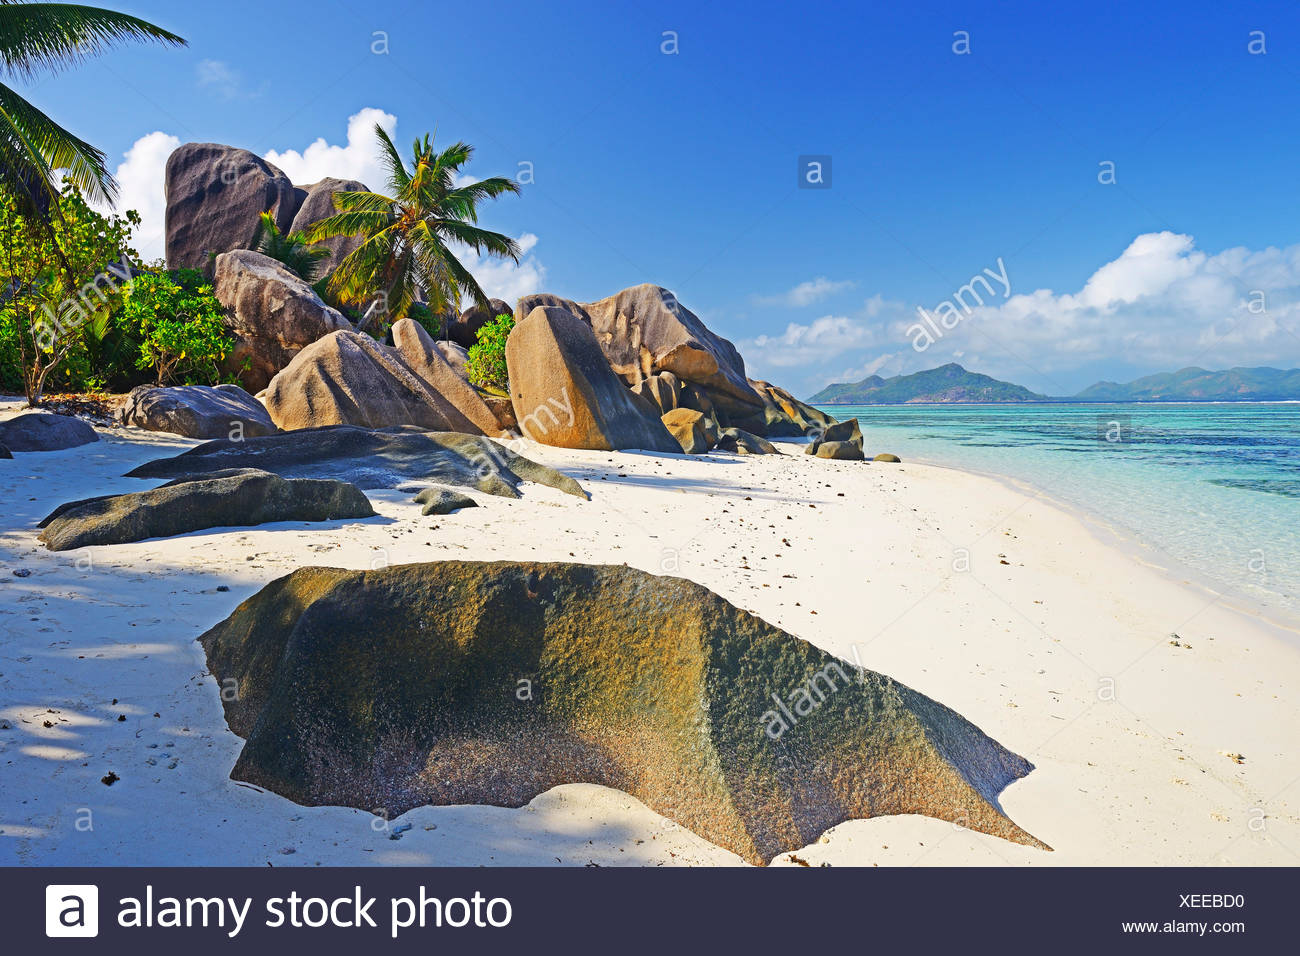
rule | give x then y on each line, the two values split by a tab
44	146
348	224
398	176
480	240
36	37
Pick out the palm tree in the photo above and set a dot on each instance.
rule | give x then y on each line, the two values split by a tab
290	250
406	255
41	37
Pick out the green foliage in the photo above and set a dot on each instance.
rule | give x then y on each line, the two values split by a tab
179	324
486	366
409	236
292	250
62	275
424	315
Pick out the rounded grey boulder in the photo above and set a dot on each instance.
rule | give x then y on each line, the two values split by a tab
318	205
42	431
215	195
197	411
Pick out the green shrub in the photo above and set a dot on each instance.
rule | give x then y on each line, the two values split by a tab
424	315
487	356
179	326
292	251
60	276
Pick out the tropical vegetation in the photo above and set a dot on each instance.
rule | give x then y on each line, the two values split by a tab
291	250
486	365
113	324
410	238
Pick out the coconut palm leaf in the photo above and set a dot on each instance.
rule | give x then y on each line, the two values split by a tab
37	37
34	149
410	236
291	250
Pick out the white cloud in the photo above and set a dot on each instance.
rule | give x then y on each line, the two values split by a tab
359	159
802	344
806	293
227	82
1162	304
140	176
505	279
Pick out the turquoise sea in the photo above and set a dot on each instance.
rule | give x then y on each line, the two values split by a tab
1215	487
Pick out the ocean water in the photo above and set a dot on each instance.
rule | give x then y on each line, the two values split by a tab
1215	487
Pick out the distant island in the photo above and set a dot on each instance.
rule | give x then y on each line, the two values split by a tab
948	385
1199	385
952	384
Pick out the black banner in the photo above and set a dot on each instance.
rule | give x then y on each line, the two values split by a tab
785	910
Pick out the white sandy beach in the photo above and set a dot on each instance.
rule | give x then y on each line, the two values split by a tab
861	559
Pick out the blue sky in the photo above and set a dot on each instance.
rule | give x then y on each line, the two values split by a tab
680	168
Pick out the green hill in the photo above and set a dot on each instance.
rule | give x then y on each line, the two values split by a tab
1199	385
947	384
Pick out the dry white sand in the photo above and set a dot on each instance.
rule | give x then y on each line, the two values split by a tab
1053	641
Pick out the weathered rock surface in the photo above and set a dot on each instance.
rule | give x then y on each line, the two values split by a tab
43	431
848	432
463	330
564	393
887	457
662	388
442	501
196	411
841	450
541	300
240	499
787	417
318	204
427	361
215	195
456	355
368	458
688	427
396	688
504	410
5	452
272	314
347	378
743	443
644	330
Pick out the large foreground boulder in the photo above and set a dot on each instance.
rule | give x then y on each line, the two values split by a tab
233	499
196	411
464	329
318	204
43	431
215	195
490	683
272	314
369	458
347	378
564	393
